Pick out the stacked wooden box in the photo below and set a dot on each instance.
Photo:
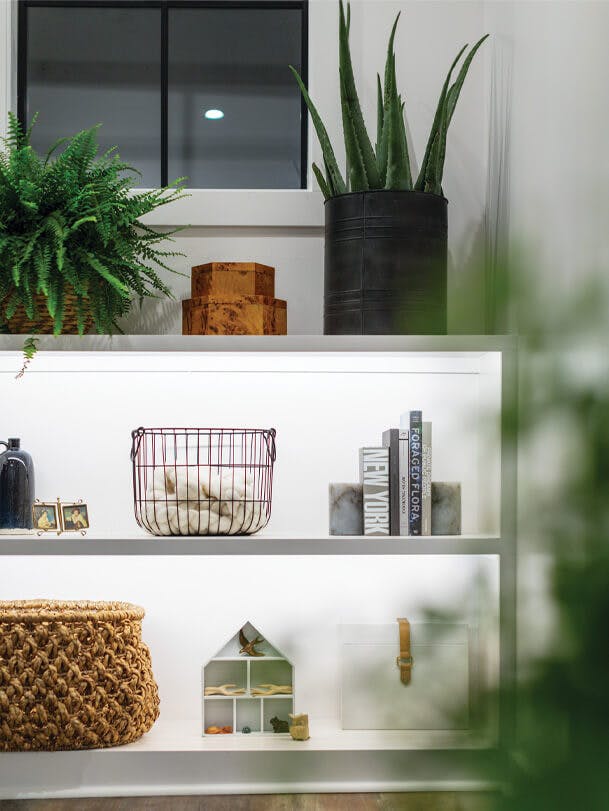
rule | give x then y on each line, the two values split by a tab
233	298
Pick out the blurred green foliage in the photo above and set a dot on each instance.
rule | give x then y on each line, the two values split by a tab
560	755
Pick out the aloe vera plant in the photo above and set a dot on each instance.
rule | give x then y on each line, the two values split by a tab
387	164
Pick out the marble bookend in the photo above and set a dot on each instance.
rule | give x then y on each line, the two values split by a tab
446	508
346	509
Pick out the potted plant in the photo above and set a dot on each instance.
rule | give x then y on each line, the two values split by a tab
386	232
73	251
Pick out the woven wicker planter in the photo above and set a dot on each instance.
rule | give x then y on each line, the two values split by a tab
73	675
20	324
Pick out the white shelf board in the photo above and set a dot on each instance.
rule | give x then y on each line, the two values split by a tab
326	735
262	343
247	696
247	659
135	543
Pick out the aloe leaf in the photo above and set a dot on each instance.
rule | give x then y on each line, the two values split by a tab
357	170
350	97
420	184
328	178
404	140
379	113
455	90
323	185
389	82
397	158
382	152
451	100
390	60
432	183
338	184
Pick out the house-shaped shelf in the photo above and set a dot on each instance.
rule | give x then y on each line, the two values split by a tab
248	706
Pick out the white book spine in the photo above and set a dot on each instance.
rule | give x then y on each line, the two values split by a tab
374	475
403	479
426	480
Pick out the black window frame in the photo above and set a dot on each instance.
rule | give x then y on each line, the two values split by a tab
164	6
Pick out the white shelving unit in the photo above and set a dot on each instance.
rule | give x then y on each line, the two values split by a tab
326	396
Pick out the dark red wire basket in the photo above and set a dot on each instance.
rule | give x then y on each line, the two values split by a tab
203	481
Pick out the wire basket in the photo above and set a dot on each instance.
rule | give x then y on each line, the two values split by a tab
203	481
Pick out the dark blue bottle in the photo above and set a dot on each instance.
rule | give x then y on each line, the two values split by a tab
16	486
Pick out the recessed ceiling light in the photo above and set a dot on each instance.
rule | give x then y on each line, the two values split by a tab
214	115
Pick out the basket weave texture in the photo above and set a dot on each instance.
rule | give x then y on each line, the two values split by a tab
20	324
73	675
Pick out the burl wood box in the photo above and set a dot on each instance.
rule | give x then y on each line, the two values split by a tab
232	278
239	315
233	298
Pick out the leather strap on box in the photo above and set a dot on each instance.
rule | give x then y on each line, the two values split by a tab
405	661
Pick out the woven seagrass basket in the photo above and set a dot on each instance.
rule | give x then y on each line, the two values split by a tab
44	324
73	675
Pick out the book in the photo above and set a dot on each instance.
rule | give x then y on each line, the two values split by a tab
391	440
374	476
403	477
414	473
426	480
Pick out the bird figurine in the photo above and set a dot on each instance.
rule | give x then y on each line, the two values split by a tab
249	648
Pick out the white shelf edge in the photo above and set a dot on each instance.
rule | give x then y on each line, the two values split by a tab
128	544
248	659
326	735
249	697
263	343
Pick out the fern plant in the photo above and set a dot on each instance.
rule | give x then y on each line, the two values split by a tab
387	164
70	226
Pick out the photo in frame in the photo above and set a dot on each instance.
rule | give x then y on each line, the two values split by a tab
45	516
75	517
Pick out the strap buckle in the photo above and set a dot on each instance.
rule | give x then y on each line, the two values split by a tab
404	661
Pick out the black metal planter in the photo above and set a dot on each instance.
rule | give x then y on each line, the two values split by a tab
385	264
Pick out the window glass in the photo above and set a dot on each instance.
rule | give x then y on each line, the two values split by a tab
234	107
98	65
229	114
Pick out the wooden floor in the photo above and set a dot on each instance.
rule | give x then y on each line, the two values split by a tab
436	801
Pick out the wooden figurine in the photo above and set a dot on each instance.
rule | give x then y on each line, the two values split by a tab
224	690
299	726
279	725
249	648
272	690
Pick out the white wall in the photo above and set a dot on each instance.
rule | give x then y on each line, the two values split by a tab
429	35
555	101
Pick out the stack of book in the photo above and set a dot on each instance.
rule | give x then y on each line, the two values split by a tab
396	480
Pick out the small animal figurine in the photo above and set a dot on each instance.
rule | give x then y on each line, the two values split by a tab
299	726
272	690
249	648
246	730
224	690
279	725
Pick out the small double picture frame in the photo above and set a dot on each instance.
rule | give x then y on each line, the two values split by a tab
59	516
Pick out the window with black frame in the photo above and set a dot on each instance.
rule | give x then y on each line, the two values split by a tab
195	89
